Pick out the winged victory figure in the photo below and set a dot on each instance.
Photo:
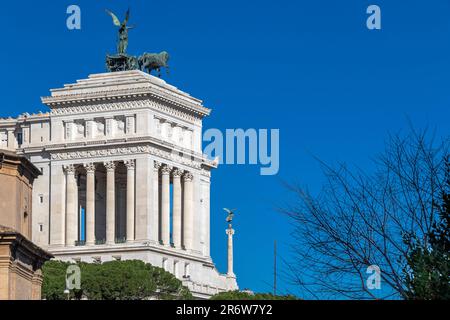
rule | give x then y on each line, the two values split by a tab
123	31
230	214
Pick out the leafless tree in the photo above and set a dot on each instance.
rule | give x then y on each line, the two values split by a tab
359	220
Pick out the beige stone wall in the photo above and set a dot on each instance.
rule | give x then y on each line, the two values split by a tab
20	259
4	272
20	267
16	196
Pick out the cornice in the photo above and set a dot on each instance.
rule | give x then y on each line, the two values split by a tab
143	93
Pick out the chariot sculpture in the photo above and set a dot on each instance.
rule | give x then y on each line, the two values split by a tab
121	61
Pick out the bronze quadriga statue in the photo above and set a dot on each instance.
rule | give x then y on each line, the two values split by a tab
123	62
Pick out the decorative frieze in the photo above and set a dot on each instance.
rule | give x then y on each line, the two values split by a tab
125	151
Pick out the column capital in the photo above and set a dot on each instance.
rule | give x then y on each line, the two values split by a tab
130	164
90	167
230	232
166	169
188	176
157	165
177	173
110	165
69	169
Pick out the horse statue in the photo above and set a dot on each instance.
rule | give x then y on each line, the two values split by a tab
154	61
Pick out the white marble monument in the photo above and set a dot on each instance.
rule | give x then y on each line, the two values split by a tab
124	176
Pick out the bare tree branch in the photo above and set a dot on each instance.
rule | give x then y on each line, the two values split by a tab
360	219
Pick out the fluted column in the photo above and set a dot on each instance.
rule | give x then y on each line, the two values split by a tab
165	204
188	222
155	234
71	206
110	202
176	215
90	203
130	199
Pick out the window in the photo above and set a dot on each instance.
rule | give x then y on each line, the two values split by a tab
41	198
25	226
187	270
20	138
41	227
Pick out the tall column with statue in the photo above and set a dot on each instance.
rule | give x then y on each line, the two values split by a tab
230	232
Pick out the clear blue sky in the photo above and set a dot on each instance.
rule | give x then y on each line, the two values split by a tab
310	68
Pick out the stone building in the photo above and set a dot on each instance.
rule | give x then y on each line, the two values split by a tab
20	259
123	176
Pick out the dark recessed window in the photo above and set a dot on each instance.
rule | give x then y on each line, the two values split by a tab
19	138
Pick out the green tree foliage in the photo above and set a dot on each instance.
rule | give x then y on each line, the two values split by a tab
428	263
54	273
115	280
239	295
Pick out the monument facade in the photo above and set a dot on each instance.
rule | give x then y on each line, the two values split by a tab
123	176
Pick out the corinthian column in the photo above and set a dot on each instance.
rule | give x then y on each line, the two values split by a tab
130	199
165	205
176	215
90	203
71	206
188	223
155	233
110	202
